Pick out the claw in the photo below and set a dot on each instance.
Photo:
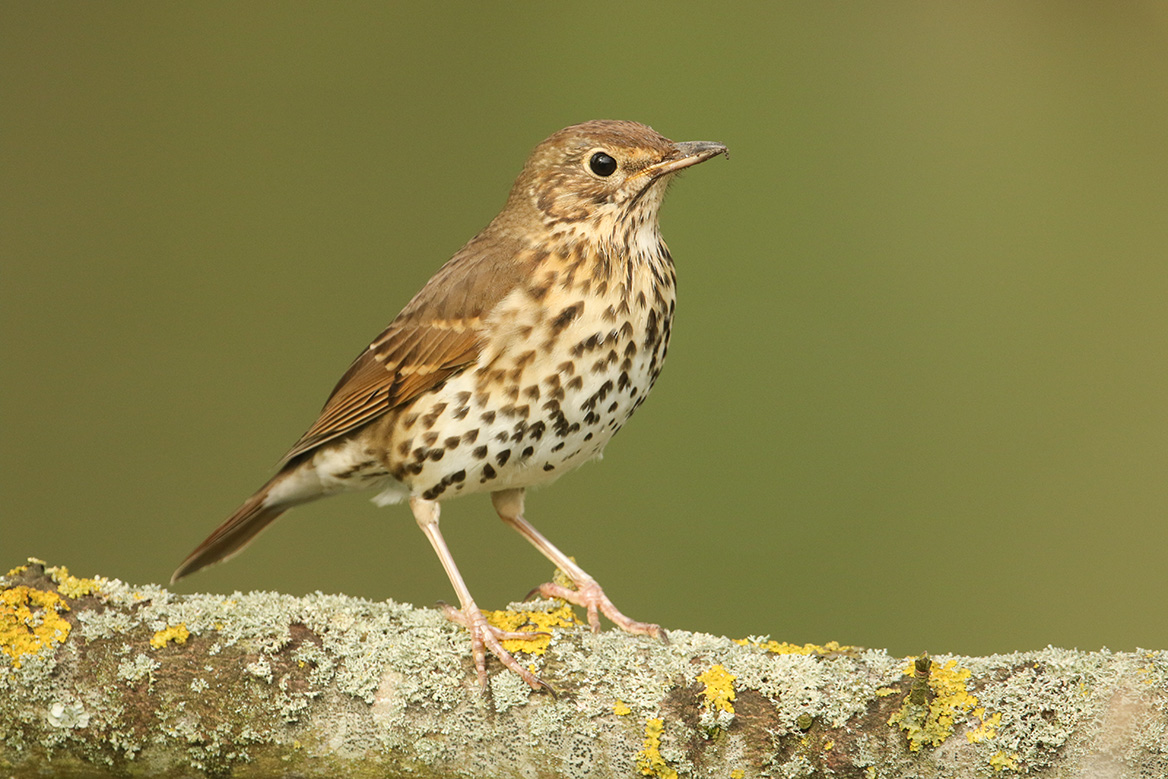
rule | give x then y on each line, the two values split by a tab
484	636
591	597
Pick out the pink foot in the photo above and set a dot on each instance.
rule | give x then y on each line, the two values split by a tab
484	636
590	595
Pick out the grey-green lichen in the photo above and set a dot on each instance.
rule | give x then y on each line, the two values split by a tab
266	684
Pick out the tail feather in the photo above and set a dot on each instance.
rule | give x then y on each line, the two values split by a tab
232	536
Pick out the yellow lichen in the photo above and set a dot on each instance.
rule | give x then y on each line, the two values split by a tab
538	623
649	759
1004	761
621	709
176	633
71	586
719	688
930	721
988	727
737	773
827	745
784	648
30	620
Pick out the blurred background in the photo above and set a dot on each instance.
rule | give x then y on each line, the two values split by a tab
916	396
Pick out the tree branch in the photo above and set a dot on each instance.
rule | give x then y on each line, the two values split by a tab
102	678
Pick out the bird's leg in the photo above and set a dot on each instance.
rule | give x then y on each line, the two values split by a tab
509	505
483	635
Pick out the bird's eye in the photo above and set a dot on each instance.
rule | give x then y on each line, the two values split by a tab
602	164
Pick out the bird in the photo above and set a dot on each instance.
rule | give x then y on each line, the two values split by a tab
515	363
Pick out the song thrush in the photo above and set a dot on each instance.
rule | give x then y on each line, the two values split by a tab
514	364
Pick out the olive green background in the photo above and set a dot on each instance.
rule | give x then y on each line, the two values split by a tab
916	394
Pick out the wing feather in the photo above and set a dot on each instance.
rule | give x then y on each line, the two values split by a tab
438	334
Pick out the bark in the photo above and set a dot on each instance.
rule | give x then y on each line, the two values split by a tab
102	678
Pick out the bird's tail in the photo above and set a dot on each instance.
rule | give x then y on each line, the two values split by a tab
236	533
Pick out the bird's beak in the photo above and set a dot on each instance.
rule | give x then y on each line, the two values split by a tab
685	154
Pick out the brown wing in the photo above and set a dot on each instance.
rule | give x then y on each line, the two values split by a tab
438	334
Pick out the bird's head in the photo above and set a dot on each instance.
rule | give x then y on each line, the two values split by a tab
601	175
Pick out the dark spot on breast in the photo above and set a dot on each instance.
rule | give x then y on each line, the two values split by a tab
613	407
487	416
437	454
452	441
548	467
588	344
429	439
470	436
576	383
461	412
488	473
565	317
558	446
432	417
502	457
539	291
456	477
622	381
527	452
408	421
480	452
588	437
535	432
567	367
532	392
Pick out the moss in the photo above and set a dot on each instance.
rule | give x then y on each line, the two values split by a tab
176	633
937	700
539	623
1004	761
71	586
30	621
718	690
830	649
649	760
